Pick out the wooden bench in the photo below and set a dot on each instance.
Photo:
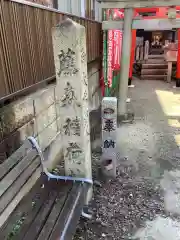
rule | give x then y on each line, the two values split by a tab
34	207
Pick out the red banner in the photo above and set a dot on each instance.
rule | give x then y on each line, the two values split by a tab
117	49
114	46
110	57
118	14
117	41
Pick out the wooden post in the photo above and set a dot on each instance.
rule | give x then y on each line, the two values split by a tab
69	43
169	73
146	50
141	53
137	53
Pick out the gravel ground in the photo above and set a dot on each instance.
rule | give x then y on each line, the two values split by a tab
143	202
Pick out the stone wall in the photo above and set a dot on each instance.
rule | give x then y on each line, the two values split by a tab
94	101
94	89
37	115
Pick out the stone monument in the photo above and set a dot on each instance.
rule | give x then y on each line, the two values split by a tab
109	131
69	43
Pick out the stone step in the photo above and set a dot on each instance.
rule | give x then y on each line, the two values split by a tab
153	77
154	71
154	60
154	65
160	56
157	51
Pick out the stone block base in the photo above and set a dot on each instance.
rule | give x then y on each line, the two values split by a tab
108	166
126	118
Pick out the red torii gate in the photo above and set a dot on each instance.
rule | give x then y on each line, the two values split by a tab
160	13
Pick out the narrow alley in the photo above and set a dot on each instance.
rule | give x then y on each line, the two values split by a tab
143	203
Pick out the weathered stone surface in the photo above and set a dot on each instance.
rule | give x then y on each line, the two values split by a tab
154	65
15	115
58	120
93	86
43	99
30	116
3	150
95	124
153	77
157	61
47	135
57	105
154	71
29	129
126	118
53	154
109	132
13	142
45	118
69	43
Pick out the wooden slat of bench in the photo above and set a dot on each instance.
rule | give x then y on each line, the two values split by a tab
24	190
75	203
8	180
6	166
76	211
33	208
52	219
42	217
33	205
17	185
18	212
39	214
39	220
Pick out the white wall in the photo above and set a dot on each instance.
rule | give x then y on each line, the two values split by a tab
77	7
83	7
62	5
97	11
71	6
